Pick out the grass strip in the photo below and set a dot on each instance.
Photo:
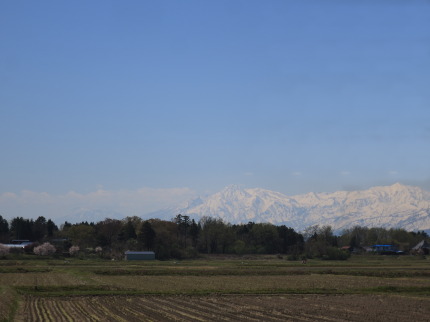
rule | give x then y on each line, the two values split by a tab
193	272
55	291
20	270
13	308
258	272
8	305
376	273
86	290
412	290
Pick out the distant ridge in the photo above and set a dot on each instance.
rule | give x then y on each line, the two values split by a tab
395	206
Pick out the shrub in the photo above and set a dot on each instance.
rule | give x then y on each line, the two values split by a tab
293	257
190	253
334	253
3	250
45	249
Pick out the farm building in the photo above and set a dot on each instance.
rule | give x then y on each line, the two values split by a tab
19	244
386	250
423	247
129	255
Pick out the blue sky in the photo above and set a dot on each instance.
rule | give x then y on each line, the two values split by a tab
292	96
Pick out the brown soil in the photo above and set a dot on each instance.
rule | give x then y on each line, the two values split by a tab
227	308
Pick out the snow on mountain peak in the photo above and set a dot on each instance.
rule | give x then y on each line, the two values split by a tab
385	206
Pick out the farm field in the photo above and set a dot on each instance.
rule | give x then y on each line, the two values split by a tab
227	308
378	288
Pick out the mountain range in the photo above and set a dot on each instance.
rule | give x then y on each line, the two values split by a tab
395	206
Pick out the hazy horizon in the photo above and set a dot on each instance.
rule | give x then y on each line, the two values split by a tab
145	203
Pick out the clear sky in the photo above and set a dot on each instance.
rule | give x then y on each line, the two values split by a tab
292	96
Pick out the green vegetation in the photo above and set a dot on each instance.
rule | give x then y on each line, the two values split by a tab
184	238
8	303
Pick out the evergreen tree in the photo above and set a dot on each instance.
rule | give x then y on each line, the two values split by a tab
51	228
146	235
128	231
40	228
22	228
183	223
194	233
4	230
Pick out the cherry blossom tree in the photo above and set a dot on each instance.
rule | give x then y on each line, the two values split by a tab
45	249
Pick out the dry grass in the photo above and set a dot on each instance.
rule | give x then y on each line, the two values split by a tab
231	283
39	279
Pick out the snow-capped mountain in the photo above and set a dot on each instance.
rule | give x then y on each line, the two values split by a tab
395	206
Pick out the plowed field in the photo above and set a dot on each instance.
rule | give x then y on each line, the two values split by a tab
227	308
254	283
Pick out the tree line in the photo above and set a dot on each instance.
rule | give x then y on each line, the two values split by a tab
183	237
